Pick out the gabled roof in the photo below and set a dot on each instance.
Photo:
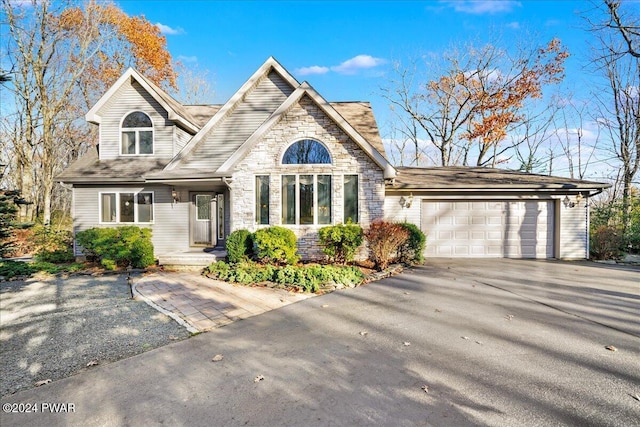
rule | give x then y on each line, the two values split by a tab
225	133
176	111
305	90
360	116
479	178
202	113
231	104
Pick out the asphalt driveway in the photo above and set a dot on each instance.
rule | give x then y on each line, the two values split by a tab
456	342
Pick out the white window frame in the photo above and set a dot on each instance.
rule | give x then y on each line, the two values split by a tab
315	199
137	132
210	203
135	207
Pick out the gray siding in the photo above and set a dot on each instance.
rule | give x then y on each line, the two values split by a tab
132	97
170	230
573	231
181	139
252	111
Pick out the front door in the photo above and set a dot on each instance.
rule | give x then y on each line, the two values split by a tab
203	219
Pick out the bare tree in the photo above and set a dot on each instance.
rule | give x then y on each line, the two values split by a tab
463	103
570	134
61	56
616	59
195	86
531	138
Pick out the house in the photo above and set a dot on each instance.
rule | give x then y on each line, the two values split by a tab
277	153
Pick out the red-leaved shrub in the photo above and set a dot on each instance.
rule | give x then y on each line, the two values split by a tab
385	238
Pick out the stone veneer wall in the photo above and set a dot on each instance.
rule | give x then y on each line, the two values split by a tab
305	120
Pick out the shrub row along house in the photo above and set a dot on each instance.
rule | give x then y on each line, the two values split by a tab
277	153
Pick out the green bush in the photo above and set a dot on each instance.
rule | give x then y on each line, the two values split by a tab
8	211
53	245
611	215
118	246
412	251
385	239
275	245
239	246
307	278
340	242
10	269
606	242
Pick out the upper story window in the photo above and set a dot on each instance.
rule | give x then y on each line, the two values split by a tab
306	151
137	134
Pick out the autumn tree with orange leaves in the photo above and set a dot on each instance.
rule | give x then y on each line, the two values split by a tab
462	104
498	99
62	58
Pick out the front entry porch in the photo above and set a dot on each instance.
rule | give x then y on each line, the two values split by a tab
194	257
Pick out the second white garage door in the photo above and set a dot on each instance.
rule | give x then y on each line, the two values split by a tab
488	228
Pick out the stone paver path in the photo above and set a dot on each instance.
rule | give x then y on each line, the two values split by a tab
205	303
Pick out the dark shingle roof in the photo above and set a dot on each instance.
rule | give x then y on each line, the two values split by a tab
89	169
360	116
460	177
202	113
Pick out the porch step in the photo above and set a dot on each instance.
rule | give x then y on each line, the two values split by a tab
191	259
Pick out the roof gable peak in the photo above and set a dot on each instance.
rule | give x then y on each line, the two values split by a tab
262	72
173	107
303	90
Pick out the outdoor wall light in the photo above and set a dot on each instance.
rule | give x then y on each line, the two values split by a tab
568	203
175	195
406	203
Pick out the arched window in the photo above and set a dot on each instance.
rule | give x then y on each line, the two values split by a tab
137	134
306	151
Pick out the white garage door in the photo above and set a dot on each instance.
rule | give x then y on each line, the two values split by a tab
488	228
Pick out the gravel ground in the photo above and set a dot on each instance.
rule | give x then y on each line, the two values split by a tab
54	327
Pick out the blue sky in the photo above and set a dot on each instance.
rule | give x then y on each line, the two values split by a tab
345	49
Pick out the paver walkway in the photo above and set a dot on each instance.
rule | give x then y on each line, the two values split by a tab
204	303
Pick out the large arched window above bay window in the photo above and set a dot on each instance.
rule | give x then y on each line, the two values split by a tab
306	151
136	134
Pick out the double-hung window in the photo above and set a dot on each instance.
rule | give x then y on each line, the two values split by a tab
306	199
136	134
126	207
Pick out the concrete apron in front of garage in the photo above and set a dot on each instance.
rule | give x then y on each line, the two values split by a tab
201	304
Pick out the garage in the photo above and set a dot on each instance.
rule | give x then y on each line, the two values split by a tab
476	212
488	228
